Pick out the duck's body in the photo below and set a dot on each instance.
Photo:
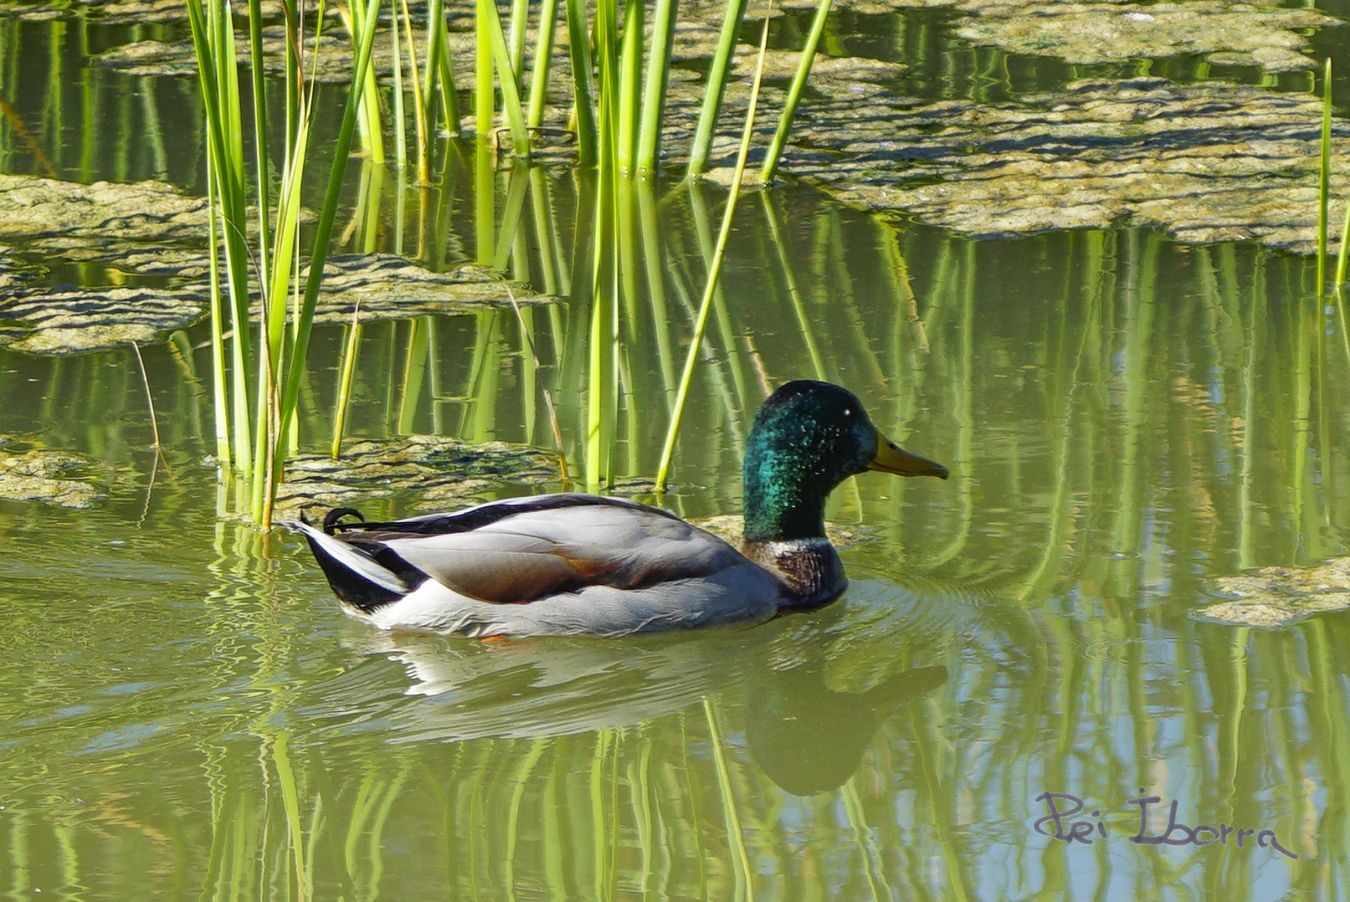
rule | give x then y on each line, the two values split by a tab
557	565
572	564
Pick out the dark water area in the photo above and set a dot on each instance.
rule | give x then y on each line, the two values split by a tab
184	711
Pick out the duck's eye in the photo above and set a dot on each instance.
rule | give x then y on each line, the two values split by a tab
848	411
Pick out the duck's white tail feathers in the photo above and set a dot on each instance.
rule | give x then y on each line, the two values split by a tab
355	576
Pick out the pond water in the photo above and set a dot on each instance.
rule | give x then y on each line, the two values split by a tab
1126	418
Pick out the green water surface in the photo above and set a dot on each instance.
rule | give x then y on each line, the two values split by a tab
185	713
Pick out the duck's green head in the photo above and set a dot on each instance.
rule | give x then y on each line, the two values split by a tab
806	439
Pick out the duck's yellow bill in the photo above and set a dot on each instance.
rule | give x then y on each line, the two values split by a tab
891	458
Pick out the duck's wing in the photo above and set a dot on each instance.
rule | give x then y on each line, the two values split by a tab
527	549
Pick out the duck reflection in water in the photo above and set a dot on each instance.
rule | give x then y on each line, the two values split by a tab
809	738
814	690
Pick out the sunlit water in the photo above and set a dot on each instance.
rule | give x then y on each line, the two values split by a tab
186	712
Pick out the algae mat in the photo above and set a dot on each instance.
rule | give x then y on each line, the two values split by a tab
378	286
1206	162
33	207
51	477
111	12
153	229
443	473
1226	33
1280	596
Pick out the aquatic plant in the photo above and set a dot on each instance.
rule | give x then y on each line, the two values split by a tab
1324	182
284	315
1324	189
618	108
615	98
780	135
714	271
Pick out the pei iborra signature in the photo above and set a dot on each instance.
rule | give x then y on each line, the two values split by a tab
1066	821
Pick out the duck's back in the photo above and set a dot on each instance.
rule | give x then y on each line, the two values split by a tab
552	564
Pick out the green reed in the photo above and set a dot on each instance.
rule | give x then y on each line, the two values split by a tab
714	271
369	121
420	98
489	25
583	93
255	446
618	111
396	71
439	78
717	83
1324	191
637	126
543	58
795	91
629	83
603	349
1324	183
654	89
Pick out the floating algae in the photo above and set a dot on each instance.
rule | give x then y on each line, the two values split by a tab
1206	162
444	473
72	320
782	65
391	287
11	279
1226	32
33	207
46	477
111	12
153	229
1278	596
1229	33
68	321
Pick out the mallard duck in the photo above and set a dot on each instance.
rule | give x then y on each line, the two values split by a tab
574	564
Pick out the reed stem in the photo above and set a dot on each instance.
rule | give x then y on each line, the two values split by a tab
630	84
588	148
795	91
399	123
654	90
543	60
324	227
520	17
717	84
420	96
507	79
259	126
714	270
484	97
1324	182
435	48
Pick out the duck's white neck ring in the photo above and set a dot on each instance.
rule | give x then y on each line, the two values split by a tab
810	569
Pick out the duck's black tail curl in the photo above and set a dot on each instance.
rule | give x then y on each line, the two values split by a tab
351	565
332	521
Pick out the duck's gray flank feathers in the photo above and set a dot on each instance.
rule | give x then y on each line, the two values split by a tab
530	551
553	564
